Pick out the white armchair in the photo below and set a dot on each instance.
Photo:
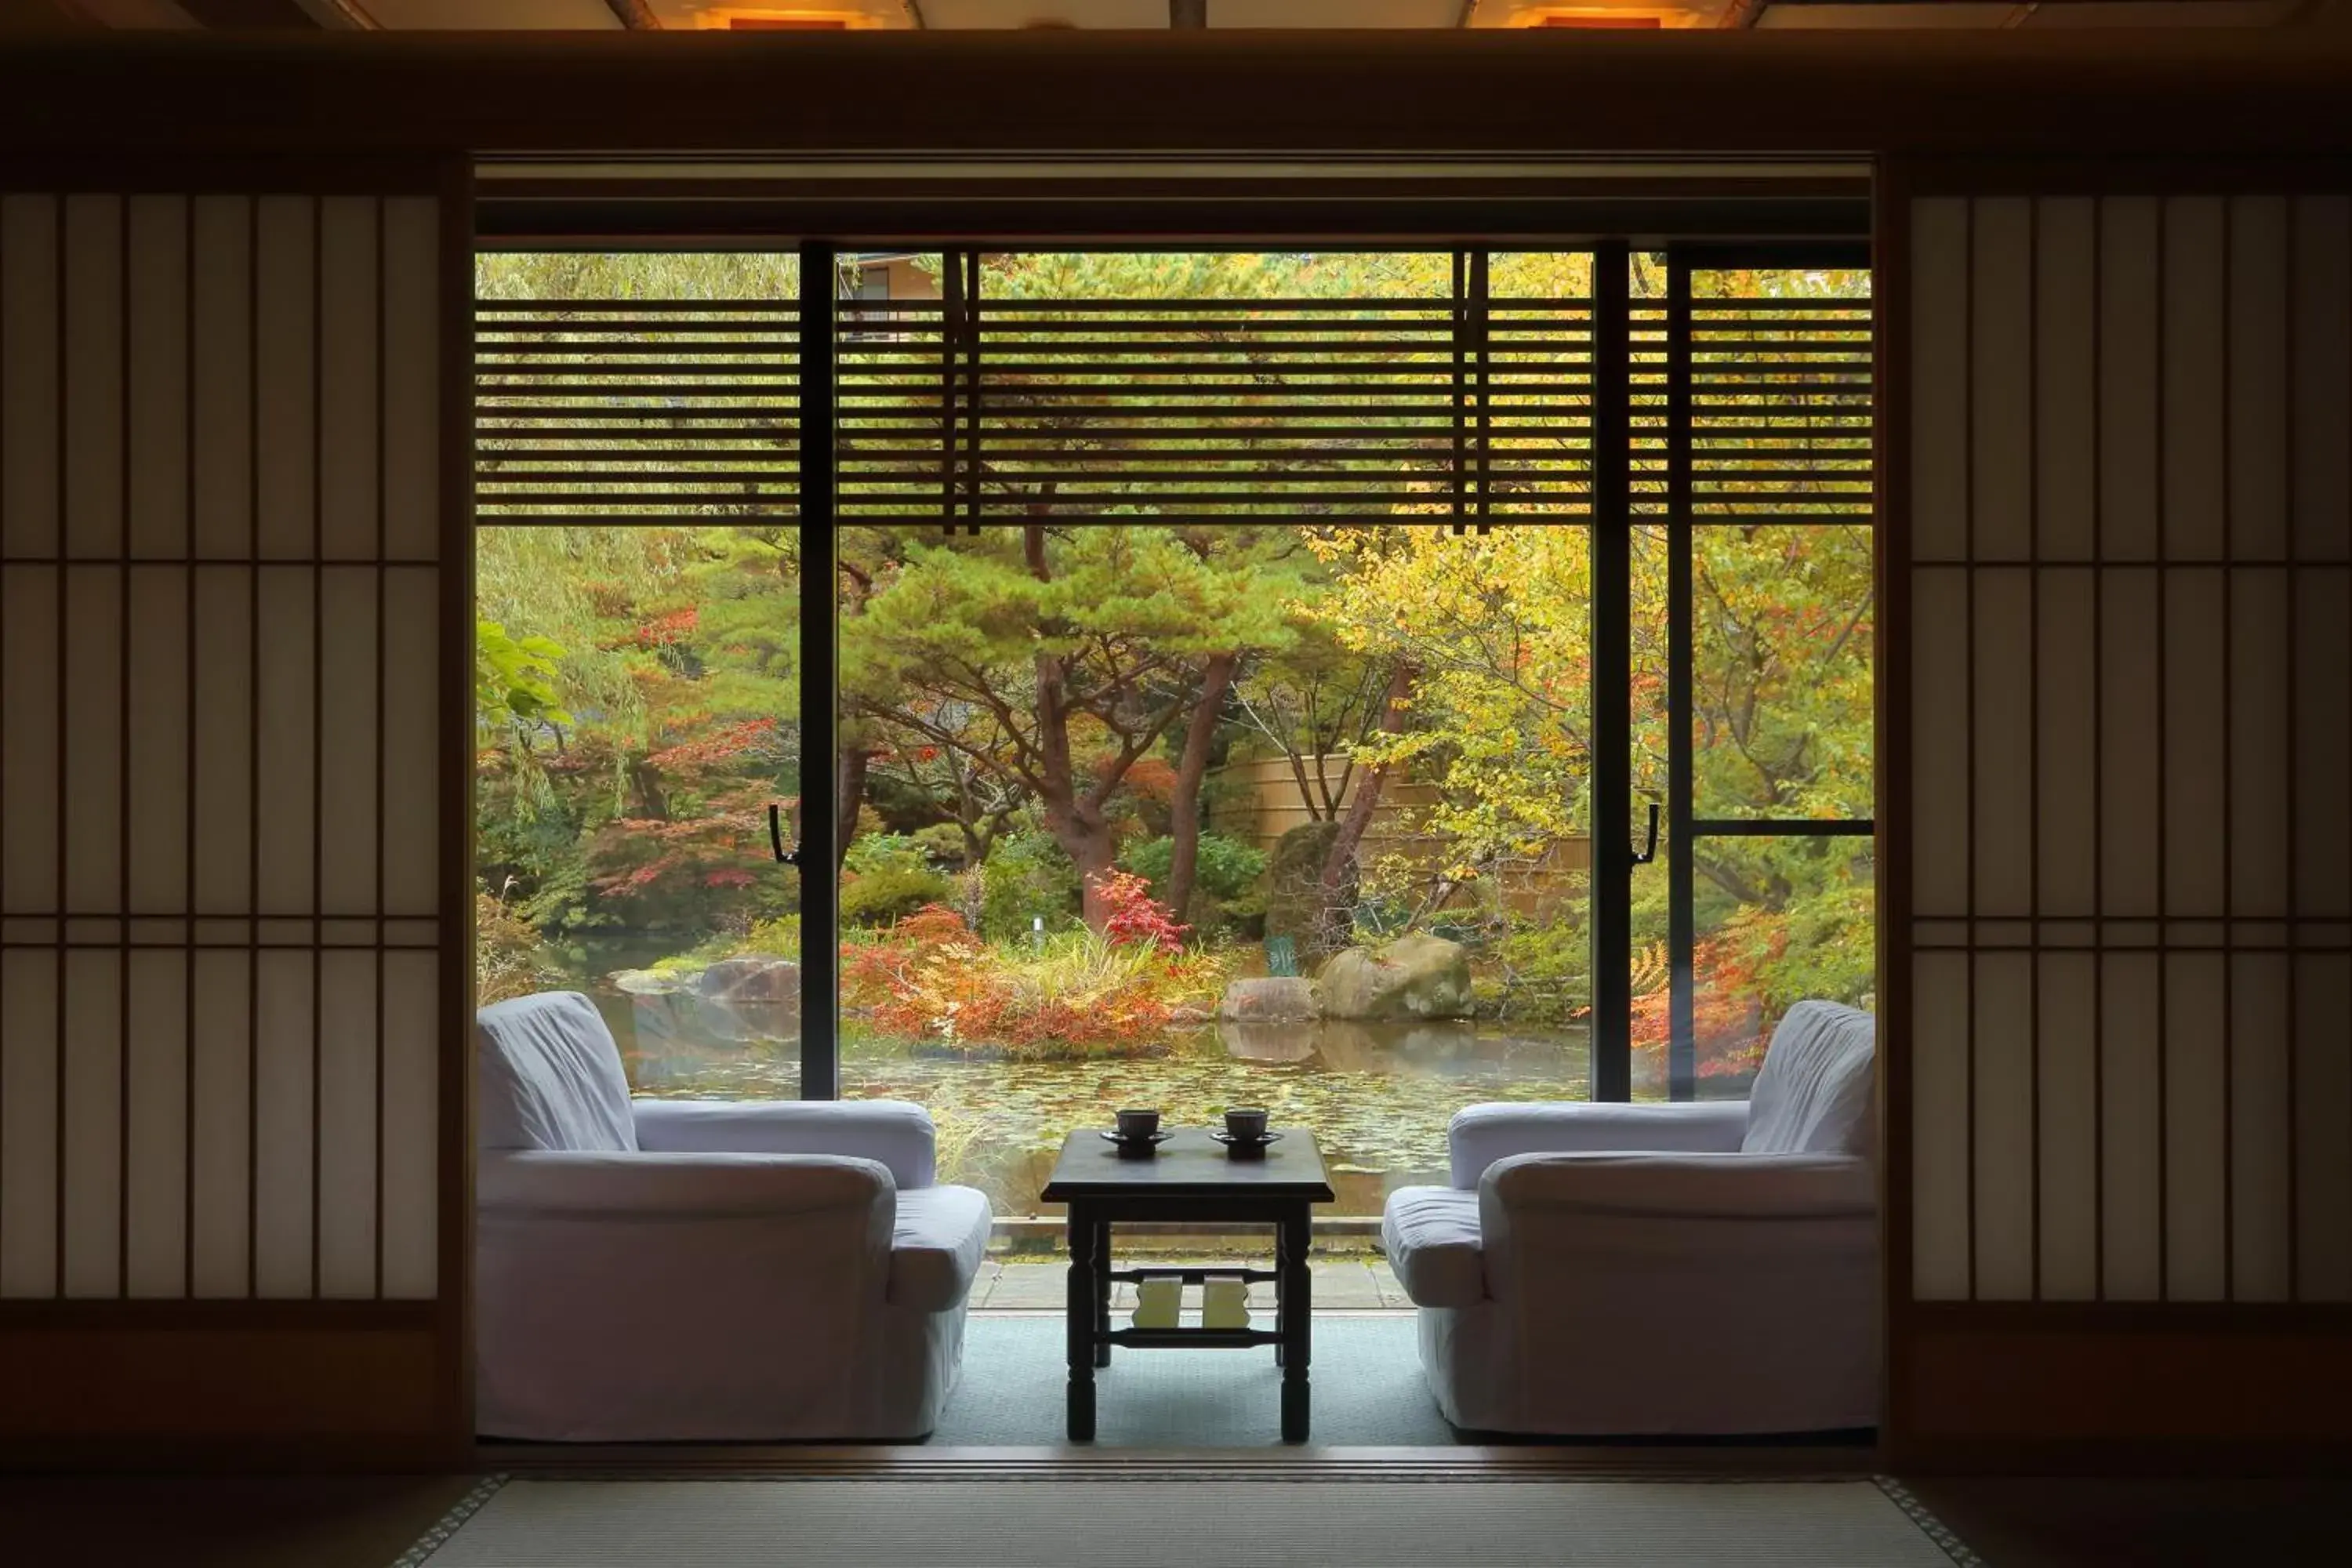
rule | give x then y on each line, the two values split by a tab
1697	1268
669	1269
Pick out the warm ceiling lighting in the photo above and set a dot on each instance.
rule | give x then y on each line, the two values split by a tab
1601	16
774	19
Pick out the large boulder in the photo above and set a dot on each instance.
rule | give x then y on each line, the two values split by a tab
1414	976
1268	999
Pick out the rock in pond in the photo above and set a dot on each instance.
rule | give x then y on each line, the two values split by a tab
1272	998
1414	976
1278	1042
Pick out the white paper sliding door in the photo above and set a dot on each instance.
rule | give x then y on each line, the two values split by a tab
227	884
2121	1091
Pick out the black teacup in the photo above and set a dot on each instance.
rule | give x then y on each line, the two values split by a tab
1245	1126
1135	1126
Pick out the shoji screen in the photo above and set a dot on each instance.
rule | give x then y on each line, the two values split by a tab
226	886
2122	911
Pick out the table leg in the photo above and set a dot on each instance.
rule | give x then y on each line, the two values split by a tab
1084	1234
1295	1316
1102	1292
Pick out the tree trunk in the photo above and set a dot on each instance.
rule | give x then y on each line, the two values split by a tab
1087	839
1192	767
849	793
1360	807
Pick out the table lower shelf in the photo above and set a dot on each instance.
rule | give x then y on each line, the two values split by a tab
1189	1338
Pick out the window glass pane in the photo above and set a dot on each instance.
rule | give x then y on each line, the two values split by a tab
1783	641
1778	921
636	681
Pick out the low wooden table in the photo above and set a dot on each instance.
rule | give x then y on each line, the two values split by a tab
1193	1180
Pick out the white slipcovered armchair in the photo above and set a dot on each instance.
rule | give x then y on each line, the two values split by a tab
1692	1269
666	1269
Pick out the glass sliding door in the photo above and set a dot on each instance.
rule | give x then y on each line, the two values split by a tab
639	668
1141	660
1208	623
1761	560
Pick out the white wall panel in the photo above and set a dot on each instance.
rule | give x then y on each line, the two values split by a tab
2001	727
155	1235
95	632
2319	343
1941	1265
2196	735
159	478
2130	327
156	816
29	1123
347	741
2258	754
30	321
347	1124
2066	1035
223	1123
28	719
287	716
2260	1129
411	751
2131	1129
92	1010
1939	380
2003	1039
2001	387
2255	386
412	1114
286	341
284	1138
224	286
349	491
95	412
2195	377
2065	358
2323	1126
2196	1012
412	387
2065	673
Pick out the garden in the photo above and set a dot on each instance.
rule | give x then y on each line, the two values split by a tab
1270	811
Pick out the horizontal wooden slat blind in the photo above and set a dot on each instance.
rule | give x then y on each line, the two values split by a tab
1457	403
1778	421
618	410
1781	410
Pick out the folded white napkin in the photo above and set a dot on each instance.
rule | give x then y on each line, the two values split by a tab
1225	1304
1158	1303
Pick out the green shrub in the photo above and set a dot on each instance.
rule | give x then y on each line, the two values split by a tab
1545	971
884	852
944	843
1027	877
879	897
1225	895
1224	868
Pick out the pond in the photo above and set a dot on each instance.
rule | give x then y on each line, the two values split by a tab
1377	1096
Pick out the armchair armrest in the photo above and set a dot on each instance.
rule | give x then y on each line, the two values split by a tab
1716	1186
1480	1135
556	1183
891	1131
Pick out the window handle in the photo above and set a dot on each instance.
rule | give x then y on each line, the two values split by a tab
1649	852
776	834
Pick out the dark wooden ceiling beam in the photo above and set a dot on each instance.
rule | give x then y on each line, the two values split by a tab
1486	92
242	15
636	16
